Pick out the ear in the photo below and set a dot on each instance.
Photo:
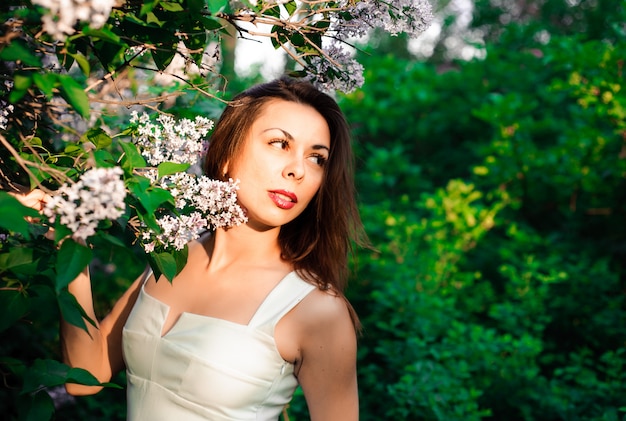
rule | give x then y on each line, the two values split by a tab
225	170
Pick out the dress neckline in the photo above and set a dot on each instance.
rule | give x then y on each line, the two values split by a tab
205	316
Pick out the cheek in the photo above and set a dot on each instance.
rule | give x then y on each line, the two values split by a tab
315	185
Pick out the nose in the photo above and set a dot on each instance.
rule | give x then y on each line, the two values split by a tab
294	169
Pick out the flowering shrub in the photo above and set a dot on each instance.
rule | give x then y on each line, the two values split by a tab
68	71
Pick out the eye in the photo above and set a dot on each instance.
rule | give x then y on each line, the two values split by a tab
279	143
319	159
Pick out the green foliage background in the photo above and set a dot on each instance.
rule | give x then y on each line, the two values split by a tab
494	194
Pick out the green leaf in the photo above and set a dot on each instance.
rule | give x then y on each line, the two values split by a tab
151	198
216	6
168	168
82	376
21	83
49	373
17	51
170	6
297	40
74	94
13	306
72	259
71	311
273	11
98	137
196	6
153	19
132	157
35	407
13	214
104	34
103	158
46	82
291	7
14	365
83	63
181	258
163	57
165	264
148	6
60	231
73	150
42	374
210	24
17	256
111	239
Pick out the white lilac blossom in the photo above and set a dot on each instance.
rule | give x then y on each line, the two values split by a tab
202	204
5	110
169	140
98	195
63	15
136	51
411	17
337	70
340	71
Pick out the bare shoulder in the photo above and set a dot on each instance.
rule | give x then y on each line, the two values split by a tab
326	367
324	311
196	249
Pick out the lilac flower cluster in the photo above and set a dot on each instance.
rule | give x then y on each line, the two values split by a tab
169	140
411	17
341	72
5	111
63	15
201	203
98	195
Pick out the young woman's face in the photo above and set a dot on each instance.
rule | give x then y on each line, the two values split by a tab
281	164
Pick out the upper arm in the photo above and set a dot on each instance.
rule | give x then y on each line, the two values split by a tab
99	350
327	370
112	325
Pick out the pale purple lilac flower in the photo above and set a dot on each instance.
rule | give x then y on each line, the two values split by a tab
170	140
63	15
5	111
203	204
346	75
98	195
411	17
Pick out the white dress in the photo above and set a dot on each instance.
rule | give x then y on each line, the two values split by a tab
205	368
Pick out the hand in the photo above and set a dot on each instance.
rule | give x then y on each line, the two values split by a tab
37	200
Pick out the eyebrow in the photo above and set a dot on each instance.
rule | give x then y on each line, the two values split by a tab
290	137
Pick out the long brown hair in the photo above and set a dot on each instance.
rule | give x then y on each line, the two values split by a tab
320	239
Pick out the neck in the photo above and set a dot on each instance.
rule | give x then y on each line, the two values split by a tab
245	245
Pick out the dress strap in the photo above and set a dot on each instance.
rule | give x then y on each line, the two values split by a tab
285	296
146	275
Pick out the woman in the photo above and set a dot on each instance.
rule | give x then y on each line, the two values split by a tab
258	308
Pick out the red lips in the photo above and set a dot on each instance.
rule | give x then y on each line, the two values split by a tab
283	199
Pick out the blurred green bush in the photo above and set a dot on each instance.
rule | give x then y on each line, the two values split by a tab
495	197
